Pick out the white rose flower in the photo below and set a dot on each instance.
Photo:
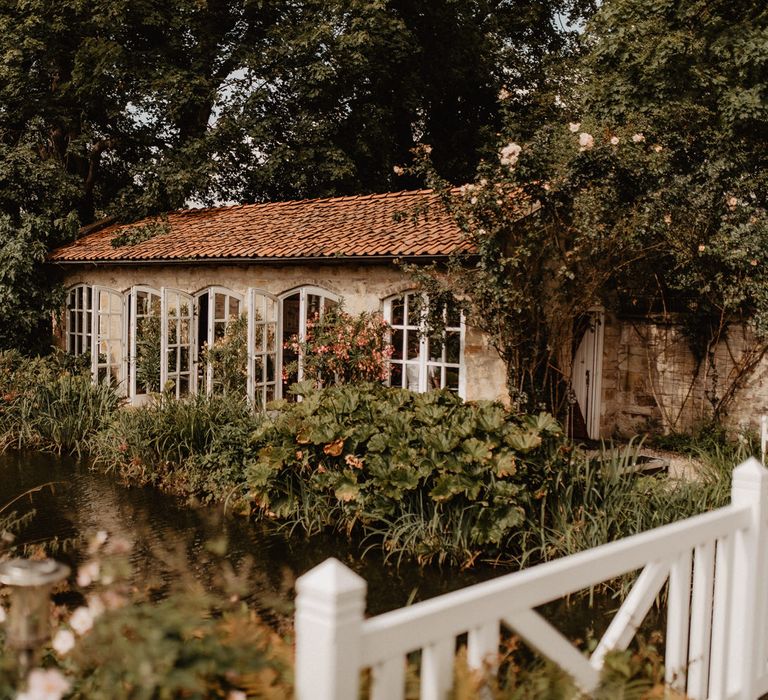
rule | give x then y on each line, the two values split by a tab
45	684
88	573
508	155
658	148
637	138
615	140
63	642
574	127
81	620
733	202
586	141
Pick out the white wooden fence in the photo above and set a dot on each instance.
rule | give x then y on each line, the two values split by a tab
717	612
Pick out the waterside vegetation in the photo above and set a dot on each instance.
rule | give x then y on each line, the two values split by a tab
418	476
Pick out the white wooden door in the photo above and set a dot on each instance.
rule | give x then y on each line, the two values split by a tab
588	373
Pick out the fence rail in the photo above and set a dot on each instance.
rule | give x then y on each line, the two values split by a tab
715	566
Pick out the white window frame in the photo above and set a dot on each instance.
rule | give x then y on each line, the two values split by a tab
258	387
303	292
84	323
210	292
423	363
166	347
131	327
97	338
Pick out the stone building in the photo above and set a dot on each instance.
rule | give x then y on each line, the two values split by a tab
170	289
138	293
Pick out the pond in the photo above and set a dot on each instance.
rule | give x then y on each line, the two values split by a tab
169	537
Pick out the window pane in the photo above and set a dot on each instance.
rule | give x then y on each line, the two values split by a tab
258	368
234	308
397	344
452	346
398	311
396	375
412	344
258	337
413	310
452	378
453	316
313	305
435	350
434	377
412	377
219	306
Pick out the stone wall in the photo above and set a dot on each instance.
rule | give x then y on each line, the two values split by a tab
652	381
363	287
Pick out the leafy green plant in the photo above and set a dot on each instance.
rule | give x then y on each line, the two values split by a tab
44	404
227	358
384	460
134	235
165	444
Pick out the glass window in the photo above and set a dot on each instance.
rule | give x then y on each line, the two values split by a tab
262	334
79	320
421	363
296	309
108	362
179	319
144	341
222	348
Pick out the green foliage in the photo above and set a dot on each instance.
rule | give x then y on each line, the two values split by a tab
227	359
423	474
44	405
166	444
138	234
192	645
341	349
132	109
635	674
646	193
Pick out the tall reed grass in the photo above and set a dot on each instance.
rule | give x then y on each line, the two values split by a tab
50	404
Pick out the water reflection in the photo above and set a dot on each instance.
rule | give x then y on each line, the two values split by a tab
81	502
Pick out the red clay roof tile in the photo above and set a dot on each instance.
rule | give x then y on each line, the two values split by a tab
356	226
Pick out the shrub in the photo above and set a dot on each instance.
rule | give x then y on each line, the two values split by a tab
50	403
165	443
427	473
343	349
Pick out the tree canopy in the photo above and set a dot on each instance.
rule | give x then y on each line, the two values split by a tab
647	193
134	107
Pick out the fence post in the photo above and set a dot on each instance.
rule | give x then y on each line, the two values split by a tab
330	603
748	597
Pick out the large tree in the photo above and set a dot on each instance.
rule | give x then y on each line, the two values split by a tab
648	191
133	107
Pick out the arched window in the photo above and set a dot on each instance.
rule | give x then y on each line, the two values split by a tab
262	348
79	320
221	348
108	361
177	375
420	362
296	307
144	341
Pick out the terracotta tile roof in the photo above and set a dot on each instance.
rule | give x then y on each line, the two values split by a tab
358	226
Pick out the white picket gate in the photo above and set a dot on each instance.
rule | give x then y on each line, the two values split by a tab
717	612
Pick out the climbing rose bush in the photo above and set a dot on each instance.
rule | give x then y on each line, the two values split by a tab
343	349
